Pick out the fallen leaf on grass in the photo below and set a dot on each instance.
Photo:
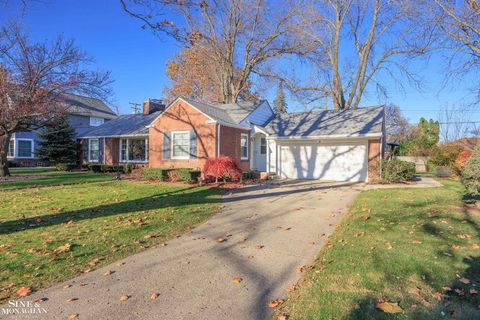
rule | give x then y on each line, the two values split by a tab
464	280
425	303
275	303
365	217
473	291
448	254
389	307
65	248
236	280
460	292
475	247
154	296
23	291
447	288
94	262
437	295
124	297
416	242
292	287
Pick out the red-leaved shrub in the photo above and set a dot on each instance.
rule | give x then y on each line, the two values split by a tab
221	168
462	159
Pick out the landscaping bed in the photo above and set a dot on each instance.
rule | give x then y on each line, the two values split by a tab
413	252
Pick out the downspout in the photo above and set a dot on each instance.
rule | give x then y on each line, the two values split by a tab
218	140
104	154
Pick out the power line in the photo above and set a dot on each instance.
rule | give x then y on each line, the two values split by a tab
460	122
136	107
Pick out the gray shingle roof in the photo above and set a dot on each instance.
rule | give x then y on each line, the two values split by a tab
124	125
240	110
347	123
86	106
215	113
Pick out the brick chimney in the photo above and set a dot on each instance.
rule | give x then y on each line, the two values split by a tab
152	105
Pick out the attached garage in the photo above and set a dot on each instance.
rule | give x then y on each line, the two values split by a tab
327	145
338	161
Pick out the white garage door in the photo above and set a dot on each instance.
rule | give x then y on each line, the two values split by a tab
338	162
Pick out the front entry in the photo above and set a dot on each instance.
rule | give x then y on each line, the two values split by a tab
259	145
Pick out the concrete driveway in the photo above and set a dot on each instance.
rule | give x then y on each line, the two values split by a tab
269	231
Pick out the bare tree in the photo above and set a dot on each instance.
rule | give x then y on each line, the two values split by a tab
358	44
396	125
33	79
456	123
239	35
460	23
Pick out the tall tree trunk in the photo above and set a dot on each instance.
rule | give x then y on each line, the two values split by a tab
5	142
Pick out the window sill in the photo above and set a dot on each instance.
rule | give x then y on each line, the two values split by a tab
133	161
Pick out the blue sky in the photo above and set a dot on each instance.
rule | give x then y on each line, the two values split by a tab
137	58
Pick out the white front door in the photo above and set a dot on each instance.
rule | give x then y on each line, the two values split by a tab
345	161
260	153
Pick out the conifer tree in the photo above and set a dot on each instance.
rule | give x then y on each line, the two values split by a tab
279	102
58	143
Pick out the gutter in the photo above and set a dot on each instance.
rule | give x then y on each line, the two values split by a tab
117	136
376	135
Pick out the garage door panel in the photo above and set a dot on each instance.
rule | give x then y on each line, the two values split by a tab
347	162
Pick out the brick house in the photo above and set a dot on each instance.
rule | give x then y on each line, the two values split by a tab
329	145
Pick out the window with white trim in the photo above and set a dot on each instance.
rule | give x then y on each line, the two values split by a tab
181	145
263	146
95	122
244	146
134	150
11	149
25	148
94	150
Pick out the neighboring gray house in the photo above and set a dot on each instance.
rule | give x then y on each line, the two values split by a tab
83	113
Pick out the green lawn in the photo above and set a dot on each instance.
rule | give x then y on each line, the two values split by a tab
48	177
407	246
94	223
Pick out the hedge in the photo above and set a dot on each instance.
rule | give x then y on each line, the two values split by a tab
65	166
162	174
123	168
397	171
471	173
155	174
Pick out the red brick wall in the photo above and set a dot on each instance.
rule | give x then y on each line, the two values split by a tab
374	151
112	150
230	145
182	117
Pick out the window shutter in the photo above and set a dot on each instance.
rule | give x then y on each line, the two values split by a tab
193	145
166	145
100	150
85	150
